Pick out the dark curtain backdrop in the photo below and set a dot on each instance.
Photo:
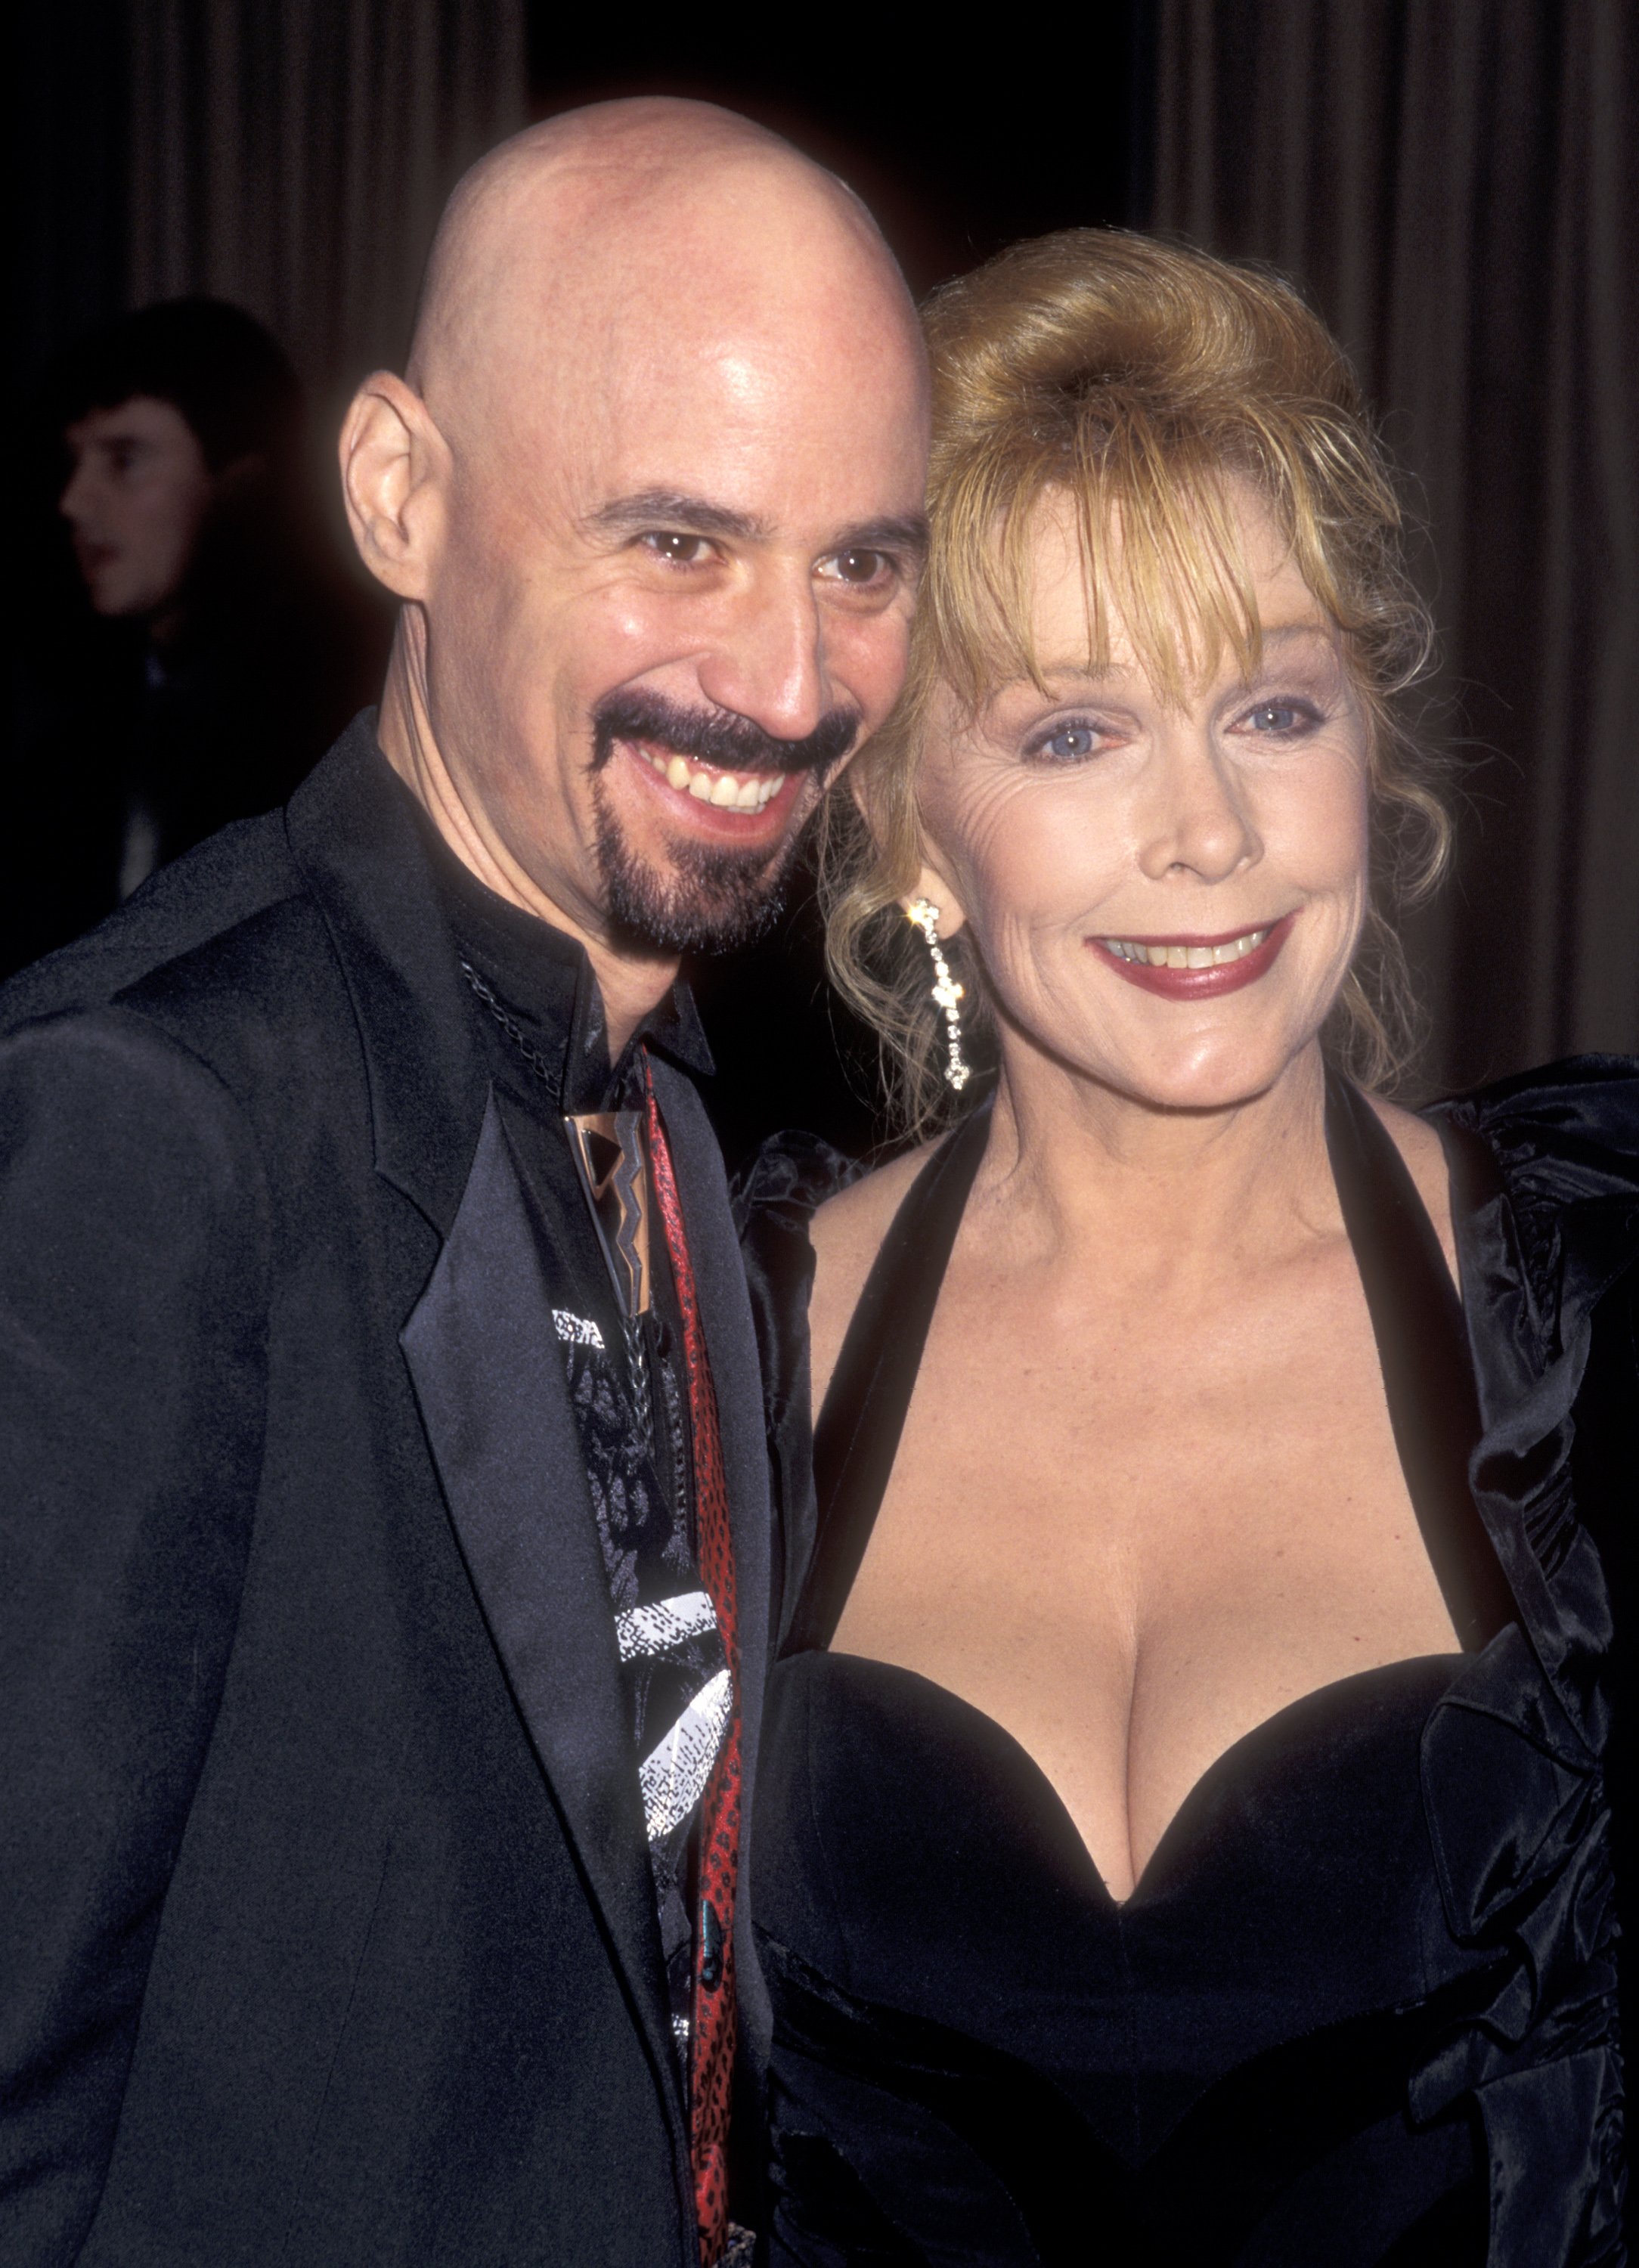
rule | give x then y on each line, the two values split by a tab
290	155
295	158
1453	182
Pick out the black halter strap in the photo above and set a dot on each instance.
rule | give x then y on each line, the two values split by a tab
857	1437
1423	1347
1417	1319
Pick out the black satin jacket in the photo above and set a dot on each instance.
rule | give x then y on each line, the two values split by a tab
1525	1759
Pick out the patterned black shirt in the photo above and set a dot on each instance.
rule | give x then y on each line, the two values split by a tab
537	1005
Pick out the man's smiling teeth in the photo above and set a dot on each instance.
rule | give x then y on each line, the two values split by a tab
721	789
1185	956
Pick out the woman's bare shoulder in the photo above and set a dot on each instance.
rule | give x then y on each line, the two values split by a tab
848	1232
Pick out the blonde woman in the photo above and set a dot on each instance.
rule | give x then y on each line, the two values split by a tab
1182	1831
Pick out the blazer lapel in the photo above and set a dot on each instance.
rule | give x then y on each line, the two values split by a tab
736	1375
483	1353
352	830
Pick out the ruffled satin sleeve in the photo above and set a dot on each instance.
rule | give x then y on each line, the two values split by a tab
774	1199
1532	1825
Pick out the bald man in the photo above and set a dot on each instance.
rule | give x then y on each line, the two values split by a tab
388	1567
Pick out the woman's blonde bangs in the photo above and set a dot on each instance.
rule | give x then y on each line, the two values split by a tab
1148	386
1161	546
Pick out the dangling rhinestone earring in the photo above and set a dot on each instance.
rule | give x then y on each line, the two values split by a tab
946	991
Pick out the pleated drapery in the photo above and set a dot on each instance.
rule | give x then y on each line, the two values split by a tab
1453	182
295	159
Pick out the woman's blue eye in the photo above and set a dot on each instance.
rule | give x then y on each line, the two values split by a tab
1069	743
1280	717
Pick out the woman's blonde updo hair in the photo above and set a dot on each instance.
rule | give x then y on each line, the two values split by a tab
1147	381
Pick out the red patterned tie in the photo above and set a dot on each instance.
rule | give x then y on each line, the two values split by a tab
711	2034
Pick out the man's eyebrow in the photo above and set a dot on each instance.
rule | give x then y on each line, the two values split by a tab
670	508
908	533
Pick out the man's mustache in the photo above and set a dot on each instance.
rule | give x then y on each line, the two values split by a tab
717	737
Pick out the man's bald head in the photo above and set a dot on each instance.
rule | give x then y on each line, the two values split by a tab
630	230
623	209
653	490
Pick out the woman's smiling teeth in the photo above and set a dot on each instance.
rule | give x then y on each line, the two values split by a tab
722	790
1186	956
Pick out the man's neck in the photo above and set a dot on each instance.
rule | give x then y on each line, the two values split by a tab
632	985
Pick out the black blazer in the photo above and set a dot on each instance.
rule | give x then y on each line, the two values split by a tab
324	1912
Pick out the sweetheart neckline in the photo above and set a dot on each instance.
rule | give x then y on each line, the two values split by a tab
1194	1794
1425	1361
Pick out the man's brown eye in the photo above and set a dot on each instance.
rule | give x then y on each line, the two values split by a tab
859	566
679	550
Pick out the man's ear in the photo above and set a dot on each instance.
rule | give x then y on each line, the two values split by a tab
393	464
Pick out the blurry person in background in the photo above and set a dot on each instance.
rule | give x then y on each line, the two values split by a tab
136	500
226	647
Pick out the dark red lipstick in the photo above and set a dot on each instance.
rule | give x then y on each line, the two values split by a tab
1198	983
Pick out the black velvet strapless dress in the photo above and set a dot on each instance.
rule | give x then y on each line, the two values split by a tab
1267	2054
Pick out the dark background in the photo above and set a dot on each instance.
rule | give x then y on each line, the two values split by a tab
1452	181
